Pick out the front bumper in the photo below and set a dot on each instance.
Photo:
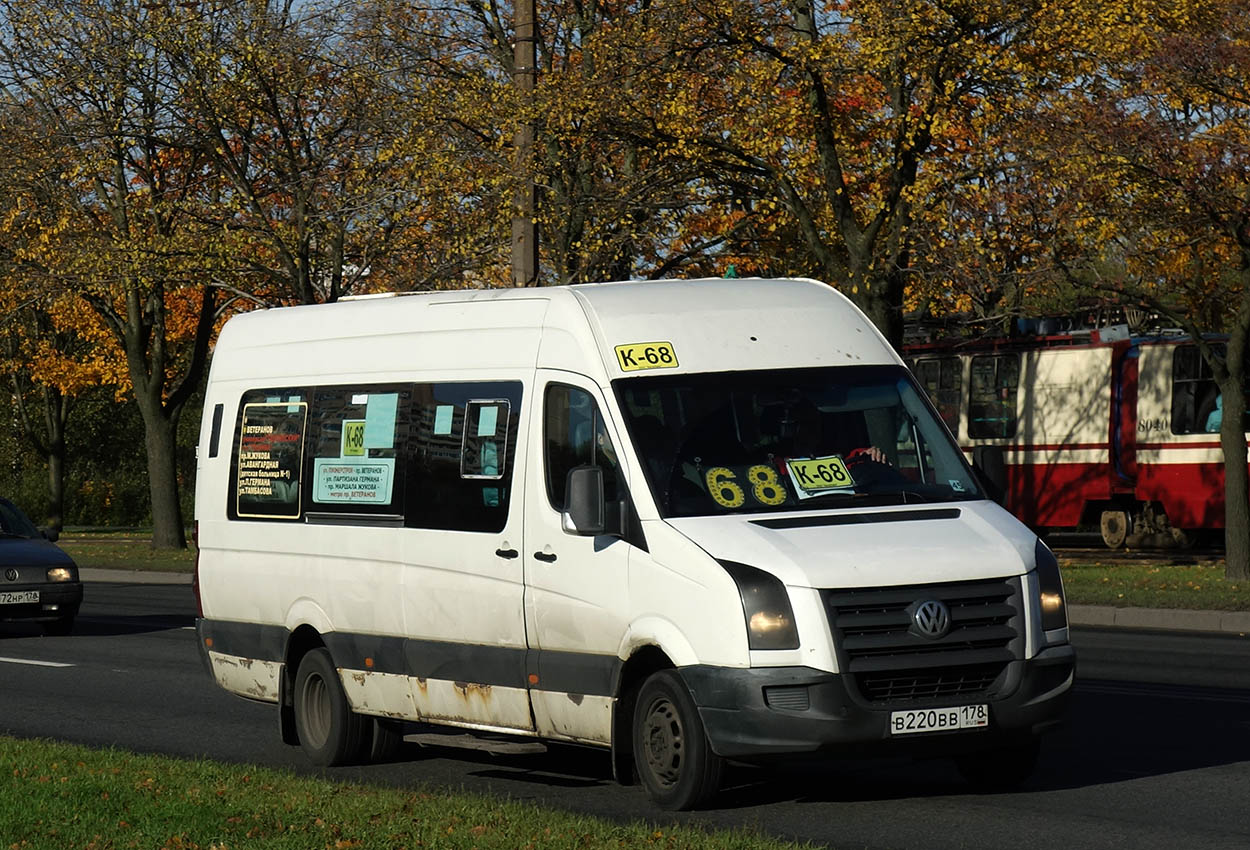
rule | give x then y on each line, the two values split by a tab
57	601
760	712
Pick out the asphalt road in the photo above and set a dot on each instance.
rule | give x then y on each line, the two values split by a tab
1156	752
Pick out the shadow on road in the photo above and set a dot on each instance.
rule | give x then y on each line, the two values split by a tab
1116	732
105	626
86	626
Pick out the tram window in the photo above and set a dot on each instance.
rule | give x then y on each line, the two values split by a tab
941	379
1194	391
992	394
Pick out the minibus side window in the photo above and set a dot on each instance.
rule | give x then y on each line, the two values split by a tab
992	395
461	454
267	459
356	438
574	435
485	436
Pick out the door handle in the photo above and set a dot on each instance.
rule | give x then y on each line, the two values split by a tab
545	557
507	553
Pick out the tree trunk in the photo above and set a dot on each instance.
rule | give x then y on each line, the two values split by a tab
880	297
160	430
56	408
56	486
1236	480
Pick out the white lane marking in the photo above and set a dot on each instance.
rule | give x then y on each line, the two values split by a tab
34	663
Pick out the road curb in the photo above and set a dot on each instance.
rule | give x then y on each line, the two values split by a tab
1170	619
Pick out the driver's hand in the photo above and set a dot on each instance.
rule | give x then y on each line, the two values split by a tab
870	453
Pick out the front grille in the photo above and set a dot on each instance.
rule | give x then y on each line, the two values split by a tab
891	662
909	685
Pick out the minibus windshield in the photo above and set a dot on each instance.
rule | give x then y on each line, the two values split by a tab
797	439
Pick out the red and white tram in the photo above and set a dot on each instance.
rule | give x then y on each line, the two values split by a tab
1098	429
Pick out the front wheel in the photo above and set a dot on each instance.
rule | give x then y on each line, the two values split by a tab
674	759
329	731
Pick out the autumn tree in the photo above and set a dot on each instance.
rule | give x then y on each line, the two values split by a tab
50	357
297	109
822	120
122	235
610	203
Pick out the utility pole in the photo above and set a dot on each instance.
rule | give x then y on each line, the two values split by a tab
525	199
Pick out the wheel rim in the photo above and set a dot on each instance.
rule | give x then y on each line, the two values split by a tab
663	742
1114	527
315	702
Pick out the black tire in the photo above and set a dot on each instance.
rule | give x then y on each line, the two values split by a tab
1001	769
58	627
329	731
671	752
385	739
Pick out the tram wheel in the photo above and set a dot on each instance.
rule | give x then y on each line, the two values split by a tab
1114	527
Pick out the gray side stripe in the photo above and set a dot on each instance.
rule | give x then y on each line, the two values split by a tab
565	672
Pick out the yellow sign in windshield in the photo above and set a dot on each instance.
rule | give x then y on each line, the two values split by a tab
812	475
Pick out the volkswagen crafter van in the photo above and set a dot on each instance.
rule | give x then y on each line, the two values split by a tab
687	521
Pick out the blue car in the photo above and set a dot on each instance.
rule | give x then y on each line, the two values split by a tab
38	582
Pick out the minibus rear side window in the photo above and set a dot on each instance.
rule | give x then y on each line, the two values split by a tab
461	455
267	462
356	440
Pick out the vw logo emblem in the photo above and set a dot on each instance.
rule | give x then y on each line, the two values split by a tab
10	574
931	618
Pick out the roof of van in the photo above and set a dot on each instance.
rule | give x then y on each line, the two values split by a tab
707	325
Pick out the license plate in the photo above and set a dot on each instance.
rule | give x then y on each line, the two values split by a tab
939	719
20	597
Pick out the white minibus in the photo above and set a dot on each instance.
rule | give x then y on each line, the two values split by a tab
690	522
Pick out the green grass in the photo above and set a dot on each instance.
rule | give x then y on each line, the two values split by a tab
1199	585
64	797
128	550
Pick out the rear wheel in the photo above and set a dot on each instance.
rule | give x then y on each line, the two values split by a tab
385	739
1002	768
329	731
671	752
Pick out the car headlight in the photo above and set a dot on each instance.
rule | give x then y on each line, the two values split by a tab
60	574
766	607
1050	587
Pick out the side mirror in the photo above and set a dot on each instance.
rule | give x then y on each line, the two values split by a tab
50	534
991	467
584	509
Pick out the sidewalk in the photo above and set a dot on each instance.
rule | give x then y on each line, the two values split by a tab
1170	619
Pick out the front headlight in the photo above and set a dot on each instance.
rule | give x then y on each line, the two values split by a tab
1050	587
766	606
60	574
